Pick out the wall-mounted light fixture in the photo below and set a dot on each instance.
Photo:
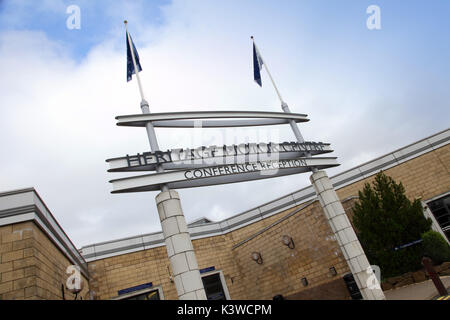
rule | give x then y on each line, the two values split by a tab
256	256
288	241
73	287
304	282
170	273
333	271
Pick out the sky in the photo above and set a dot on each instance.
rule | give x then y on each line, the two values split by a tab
367	92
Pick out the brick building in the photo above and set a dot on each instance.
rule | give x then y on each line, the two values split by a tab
282	247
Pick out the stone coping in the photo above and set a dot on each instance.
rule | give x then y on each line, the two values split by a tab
26	205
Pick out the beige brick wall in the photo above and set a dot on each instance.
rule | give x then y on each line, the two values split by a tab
31	266
425	176
216	251
113	274
281	272
283	268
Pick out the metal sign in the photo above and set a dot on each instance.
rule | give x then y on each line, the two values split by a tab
213	165
214	155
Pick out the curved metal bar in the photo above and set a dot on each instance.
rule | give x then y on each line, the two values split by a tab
219	123
211	181
270	118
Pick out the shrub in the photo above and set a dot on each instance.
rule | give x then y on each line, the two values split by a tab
435	247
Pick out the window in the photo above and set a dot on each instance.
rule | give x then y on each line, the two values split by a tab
441	211
151	295
154	293
215	286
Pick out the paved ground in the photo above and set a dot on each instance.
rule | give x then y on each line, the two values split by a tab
417	291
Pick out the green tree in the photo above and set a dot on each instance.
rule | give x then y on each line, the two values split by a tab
385	219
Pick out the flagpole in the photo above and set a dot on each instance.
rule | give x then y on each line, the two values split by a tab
130	43
268	72
151	134
284	105
173	223
334	209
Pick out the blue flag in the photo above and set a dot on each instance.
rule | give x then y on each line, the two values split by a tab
130	65
257	65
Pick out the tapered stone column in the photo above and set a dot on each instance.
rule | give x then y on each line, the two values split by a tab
346	237
179	247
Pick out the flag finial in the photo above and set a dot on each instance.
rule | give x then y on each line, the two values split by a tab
125	21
